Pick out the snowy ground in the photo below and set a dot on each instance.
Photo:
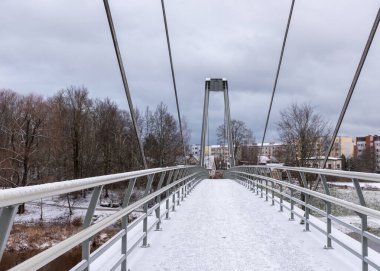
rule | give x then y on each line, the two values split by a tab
363	185
55	209
223	226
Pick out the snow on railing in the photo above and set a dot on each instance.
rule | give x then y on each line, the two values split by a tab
289	186
162	185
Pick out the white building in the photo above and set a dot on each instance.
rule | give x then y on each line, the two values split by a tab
210	162
269	149
221	153
195	150
332	162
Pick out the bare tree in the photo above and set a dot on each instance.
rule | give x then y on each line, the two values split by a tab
72	115
8	107
304	133
241	134
247	154
364	162
71	136
22	132
163	142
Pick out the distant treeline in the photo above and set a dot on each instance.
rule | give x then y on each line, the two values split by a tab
69	136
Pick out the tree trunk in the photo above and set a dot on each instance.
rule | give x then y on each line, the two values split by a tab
41	210
21	209
68	202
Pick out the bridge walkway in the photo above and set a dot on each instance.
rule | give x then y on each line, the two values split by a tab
223	226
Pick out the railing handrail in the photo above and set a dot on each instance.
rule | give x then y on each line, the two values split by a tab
173	182
23	194
257	178
55	251
343	203
372	177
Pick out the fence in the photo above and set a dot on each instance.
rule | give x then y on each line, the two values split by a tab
268	181
171	185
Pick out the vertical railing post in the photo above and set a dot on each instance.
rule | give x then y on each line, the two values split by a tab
250	171
145	221
158	200
167	200
185	187
281	192
6	221
183	194
281	199
272	186
173	202
183	184
188	185
307	198
328	212
256	181
179	186
260	182
364	241
289	175
266	190
87	221
364	222
124	222
307	211
176	174
179	195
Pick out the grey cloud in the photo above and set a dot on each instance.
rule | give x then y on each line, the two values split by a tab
49	45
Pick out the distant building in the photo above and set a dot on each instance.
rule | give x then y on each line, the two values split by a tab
269	151
210	162
332	162
343	145
221	154
195	149
370	144
212	153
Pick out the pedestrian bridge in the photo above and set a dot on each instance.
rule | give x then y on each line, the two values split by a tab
223	226
248	221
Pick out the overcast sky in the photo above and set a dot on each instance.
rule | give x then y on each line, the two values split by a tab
49	45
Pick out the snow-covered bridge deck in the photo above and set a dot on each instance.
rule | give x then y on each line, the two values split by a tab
223	226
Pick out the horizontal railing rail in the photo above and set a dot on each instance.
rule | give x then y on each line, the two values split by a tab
28	193
173	184
370	177
268	181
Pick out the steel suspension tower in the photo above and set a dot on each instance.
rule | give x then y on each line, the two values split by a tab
218	85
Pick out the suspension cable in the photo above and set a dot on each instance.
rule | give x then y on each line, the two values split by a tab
277	75
124	79
173	78
352	88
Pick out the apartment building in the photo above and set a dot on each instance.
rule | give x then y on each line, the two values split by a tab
343	145
269	149
370	144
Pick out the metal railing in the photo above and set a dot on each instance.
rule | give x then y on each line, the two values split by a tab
285	186
170	186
